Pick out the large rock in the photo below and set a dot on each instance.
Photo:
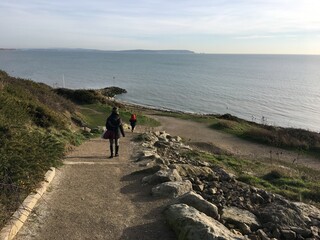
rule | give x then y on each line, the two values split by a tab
172	189
170	175
190	224
308	211
187	170
239	217
148	156
149	137
195	200
281	215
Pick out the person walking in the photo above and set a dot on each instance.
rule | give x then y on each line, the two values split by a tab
133	121
114	128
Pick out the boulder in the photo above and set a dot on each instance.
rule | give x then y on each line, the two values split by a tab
149	137
308	211
281	215
239	216
147	156
172	189
195	200
187	170
190	224
161	176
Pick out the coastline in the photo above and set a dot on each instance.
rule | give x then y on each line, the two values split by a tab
216	115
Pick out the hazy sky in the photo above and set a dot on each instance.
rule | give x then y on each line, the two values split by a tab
210	26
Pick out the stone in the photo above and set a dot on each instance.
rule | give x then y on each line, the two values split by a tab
280	215
308	211
304	232
187	170
212	191
244	228
161	176
288	234
172	189
314	231
195	200
238	216
149	137
147	156
262	235
198	187
190	224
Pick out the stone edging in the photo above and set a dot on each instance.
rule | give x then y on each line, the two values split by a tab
20	216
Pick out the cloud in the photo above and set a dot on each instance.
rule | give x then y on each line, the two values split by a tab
149	21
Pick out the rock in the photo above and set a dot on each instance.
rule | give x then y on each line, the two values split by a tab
161	176
239	216
172	189
195	200
262	235
314	231
162	144
308	211
224	176
150	170
186	170
149	137
304	232
212	191
280	215
244	228
198	187
288	234
190	224
148	156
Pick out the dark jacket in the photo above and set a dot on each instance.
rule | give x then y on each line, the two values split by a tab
114	124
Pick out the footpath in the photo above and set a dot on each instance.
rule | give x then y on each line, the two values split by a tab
94	197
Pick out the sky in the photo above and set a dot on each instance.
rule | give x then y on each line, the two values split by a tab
203	26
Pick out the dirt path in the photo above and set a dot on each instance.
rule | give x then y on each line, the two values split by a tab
93	197
199	135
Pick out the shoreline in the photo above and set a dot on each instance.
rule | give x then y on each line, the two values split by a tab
167	110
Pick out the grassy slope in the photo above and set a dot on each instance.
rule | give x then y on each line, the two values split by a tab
35	128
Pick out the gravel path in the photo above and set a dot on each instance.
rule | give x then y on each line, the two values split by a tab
201	136
93	197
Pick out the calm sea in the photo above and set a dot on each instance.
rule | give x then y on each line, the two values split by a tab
282	89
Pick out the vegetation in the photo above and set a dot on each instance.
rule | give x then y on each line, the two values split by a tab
96	114
291	181
35	129
83	96
288	138
38	124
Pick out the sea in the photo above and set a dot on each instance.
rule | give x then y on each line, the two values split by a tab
279	90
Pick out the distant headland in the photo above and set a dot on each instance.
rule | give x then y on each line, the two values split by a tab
145	51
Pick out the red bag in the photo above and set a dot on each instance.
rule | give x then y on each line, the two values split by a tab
108	134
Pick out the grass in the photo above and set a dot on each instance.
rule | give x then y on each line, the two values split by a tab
96	114
36	128
295	183
299	140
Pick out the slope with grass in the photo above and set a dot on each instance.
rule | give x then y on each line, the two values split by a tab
36	128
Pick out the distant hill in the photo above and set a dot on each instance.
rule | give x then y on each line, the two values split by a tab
120	51
159	51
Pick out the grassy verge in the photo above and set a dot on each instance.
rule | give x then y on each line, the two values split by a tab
96	114
294	182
